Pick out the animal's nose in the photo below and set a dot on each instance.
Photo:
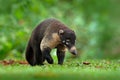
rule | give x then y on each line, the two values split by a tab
73	50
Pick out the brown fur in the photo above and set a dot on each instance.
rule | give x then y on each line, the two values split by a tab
45	37
50	42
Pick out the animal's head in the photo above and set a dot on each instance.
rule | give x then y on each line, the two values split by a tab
68	38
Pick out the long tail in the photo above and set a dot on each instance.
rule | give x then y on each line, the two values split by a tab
30	55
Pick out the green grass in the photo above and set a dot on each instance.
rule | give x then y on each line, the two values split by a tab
71	70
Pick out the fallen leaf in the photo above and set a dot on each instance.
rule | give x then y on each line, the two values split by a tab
86	63
23	62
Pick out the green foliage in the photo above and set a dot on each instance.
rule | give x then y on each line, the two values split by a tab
97	32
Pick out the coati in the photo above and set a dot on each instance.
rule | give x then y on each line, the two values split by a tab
49	34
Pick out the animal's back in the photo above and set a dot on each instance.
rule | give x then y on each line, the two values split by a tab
40	30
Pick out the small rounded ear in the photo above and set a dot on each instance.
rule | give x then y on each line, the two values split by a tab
61	31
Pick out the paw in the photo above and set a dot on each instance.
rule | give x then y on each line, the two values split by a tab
50	61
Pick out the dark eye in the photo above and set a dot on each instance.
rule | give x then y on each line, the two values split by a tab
67	40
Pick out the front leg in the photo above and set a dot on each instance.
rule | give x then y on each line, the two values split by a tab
61	54
47	56
49	42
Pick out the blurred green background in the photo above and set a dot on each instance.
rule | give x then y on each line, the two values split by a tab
95	22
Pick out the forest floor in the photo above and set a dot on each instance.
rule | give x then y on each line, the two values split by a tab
70	70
